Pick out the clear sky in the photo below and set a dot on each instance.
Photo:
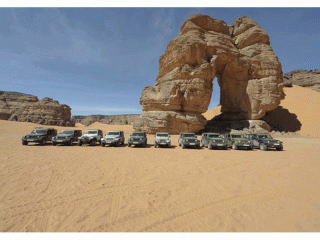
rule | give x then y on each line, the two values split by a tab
98	60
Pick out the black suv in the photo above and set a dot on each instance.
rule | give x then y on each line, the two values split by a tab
266	142
39	135
66	137
138	139
188	140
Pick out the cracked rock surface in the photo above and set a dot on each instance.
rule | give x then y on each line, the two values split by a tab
248	72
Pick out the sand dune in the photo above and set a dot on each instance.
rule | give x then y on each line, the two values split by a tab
99	189
298	112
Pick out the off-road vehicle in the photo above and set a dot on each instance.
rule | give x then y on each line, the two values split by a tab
239	141
213	140
113	138
162	139
138	139
266	142
91	137
254	138
188	140
66	137
39	135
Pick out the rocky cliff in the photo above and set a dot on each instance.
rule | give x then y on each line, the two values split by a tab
303	78
28	108
126	119
248	72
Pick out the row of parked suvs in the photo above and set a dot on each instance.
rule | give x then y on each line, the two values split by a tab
186	140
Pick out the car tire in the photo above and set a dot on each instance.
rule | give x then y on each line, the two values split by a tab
250	148
129	145
279	148
263	147
234	146
225	148
103	144
24	143
183	146
210	146
43	142
79	143
54	144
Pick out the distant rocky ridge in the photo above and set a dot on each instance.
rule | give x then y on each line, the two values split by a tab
126	119
22	107
303	78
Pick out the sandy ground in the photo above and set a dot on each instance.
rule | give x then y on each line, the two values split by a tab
301	106
60	188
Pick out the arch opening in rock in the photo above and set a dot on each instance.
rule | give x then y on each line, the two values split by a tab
239	56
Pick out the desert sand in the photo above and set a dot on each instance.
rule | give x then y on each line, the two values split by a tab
119	189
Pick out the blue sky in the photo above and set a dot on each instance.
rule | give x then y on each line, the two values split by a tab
98	60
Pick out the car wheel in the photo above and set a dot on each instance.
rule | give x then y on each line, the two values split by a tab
183	146
43	142
54	143
102	144
210	146
79	143
279	148
70	142
225	148
234	146
129	145
24	143
263	147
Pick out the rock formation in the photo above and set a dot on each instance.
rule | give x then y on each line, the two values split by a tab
27	108
248	72
303	78
126	119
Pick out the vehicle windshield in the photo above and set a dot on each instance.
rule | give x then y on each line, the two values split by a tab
66	132
237	136
214	136
162	135
39	131
91	132
137	134
264	136
113	133
189	135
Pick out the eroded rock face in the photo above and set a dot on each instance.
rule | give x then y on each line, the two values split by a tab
126	119
27	108
303	78
240	56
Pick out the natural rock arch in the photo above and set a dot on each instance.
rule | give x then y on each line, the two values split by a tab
240	56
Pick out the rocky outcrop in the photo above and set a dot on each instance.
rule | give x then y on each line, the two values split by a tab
303	78
240	56
126	119
27	108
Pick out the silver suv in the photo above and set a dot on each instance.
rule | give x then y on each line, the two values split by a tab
91	137
113	138
162	139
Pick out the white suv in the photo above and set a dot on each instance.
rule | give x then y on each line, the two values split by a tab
162	139
115	138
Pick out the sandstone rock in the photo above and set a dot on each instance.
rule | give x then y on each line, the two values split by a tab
303	78
240	56
126	119
27	108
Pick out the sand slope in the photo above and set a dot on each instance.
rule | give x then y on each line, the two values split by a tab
58	189
301	108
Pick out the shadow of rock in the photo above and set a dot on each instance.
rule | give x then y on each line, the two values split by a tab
281	119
